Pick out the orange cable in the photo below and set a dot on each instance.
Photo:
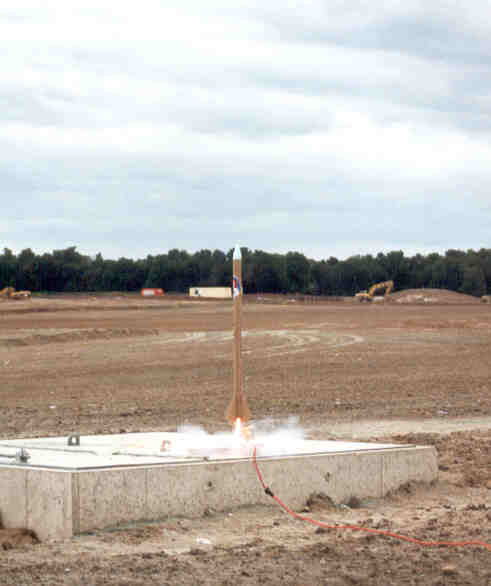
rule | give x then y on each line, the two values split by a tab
269	492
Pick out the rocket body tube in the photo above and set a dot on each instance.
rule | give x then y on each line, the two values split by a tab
237	407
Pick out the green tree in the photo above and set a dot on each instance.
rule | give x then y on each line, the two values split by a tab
69	265
297	272
92	277
218	276
8	268
268	275
474	282
27	271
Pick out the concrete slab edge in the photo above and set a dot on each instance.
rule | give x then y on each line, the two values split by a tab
59	504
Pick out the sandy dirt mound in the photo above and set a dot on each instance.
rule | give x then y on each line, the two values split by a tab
432	296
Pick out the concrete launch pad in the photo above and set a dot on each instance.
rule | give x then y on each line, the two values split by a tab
60	487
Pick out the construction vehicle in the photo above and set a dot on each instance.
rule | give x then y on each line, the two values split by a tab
11	293
6	292
367	296
486	299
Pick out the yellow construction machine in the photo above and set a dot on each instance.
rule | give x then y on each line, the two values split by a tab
11	293
6	292
369	295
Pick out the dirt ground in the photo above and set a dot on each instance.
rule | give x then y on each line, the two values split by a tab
414	371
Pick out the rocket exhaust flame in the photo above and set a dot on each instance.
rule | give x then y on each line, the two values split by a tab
241	431
237	427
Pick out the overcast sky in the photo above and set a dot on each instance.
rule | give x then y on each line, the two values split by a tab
329	127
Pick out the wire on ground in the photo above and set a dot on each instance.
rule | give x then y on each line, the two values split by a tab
285	507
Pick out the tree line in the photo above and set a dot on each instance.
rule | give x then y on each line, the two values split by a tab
263	272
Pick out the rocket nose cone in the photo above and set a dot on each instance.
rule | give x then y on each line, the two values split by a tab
237	254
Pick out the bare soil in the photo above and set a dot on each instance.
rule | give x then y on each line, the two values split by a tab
414	371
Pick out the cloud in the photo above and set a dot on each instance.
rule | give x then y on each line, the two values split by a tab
325	127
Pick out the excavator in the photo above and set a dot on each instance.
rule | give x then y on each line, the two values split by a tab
367	296
11	293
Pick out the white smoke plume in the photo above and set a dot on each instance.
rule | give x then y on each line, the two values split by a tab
269	437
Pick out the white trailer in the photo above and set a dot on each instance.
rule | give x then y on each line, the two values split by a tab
211	292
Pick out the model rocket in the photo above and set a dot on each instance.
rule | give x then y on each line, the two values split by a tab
237	408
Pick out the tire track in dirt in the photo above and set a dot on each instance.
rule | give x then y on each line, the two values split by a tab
268	343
